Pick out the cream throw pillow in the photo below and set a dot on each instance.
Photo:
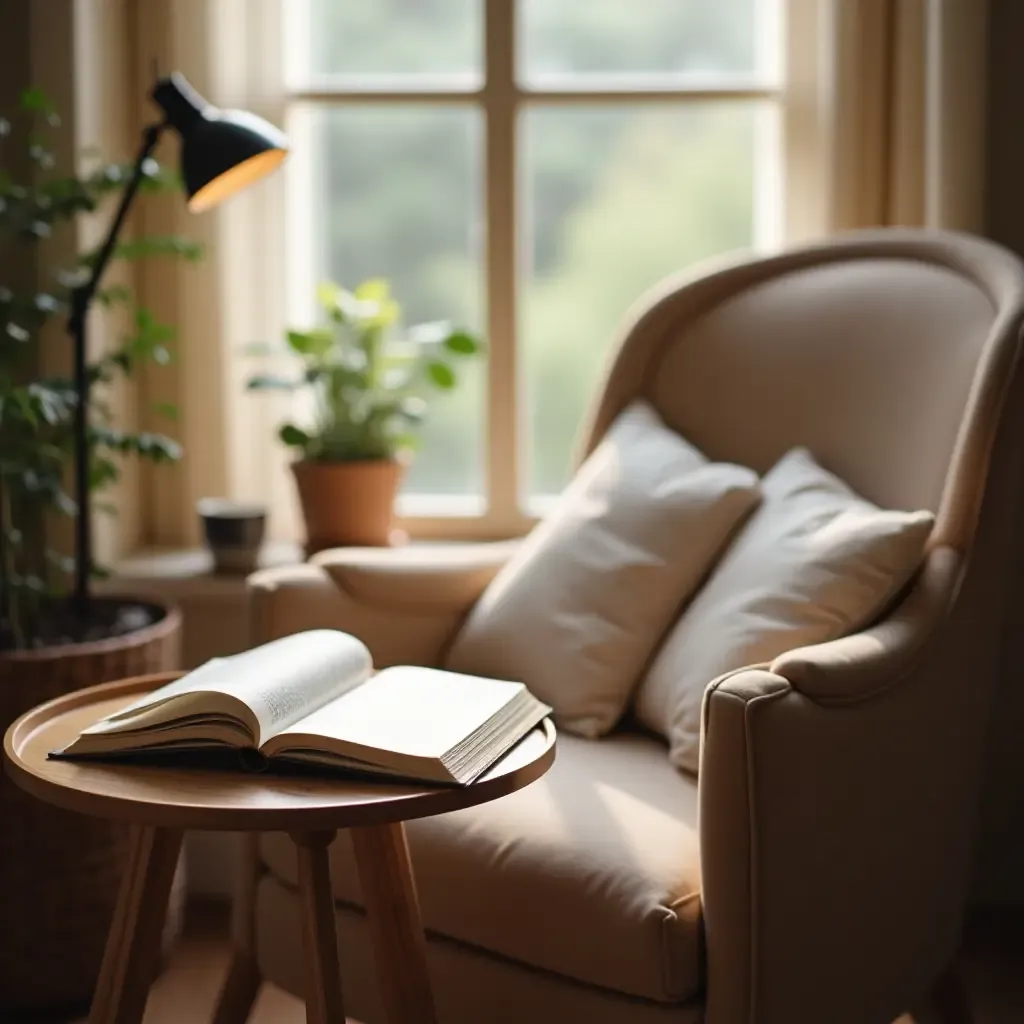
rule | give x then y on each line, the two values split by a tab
814	563
578	611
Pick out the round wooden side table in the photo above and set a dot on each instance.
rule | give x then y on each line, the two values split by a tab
160	803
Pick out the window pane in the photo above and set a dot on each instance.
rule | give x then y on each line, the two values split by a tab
618	198
396	193
564	40
371	39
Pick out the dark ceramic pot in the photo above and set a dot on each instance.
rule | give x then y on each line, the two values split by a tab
233	531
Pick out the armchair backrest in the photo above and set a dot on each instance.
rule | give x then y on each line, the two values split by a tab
887	353
895	357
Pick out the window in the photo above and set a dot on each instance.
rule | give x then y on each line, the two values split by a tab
527	169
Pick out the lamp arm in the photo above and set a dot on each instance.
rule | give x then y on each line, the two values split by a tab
81	298
84	293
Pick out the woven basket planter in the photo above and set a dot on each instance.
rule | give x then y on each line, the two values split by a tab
59	871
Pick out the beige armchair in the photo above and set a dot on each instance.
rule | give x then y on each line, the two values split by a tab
824	879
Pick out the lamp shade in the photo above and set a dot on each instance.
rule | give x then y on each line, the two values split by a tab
222	151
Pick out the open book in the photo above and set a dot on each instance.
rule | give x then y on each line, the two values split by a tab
314	698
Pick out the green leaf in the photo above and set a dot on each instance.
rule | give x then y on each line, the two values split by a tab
462	343
38	229
114	294
72	278
317	342
34	100
299	342
412	408
407	441
34	584
167	409
65	504
293	436
388	311
441	374
117	440
158	447
376	289
103	472
261	349
321	341
46	303
50	403
41	156
268	382
329	295
62	562
376	308
123	360
152	331
144	248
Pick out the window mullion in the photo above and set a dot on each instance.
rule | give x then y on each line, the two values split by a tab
500	101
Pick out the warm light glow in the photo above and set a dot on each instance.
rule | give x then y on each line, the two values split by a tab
240	176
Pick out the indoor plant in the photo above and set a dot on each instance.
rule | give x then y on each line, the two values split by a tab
369	385
59	872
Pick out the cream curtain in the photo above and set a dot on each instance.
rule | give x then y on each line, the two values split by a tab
79	55
230	51
905	92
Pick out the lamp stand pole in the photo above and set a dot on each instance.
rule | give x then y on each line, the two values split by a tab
81	298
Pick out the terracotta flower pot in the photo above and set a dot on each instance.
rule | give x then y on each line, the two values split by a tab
348	504
60	872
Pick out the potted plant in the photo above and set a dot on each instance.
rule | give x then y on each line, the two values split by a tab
59	873
369	385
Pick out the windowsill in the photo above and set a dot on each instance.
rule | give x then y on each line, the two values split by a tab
449	506
182	571
464	506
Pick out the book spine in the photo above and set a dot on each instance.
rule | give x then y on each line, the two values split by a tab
253	760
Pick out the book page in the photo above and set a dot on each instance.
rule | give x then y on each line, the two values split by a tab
280	682
415	712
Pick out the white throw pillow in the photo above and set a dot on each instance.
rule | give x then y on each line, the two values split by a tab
578	611
814	563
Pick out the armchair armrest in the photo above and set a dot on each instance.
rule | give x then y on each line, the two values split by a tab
850	668
405	604
420	577
837	794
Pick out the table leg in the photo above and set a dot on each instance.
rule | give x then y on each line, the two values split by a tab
393	913
132	952
239	991
242	984
324	1004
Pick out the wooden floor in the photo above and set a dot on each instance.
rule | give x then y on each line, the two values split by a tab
992	969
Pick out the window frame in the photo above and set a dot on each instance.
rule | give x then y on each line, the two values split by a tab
791	86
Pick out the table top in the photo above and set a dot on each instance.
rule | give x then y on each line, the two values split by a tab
225	800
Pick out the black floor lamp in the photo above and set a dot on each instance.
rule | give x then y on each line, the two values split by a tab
222	152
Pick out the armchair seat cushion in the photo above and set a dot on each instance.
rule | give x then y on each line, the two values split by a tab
593	872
